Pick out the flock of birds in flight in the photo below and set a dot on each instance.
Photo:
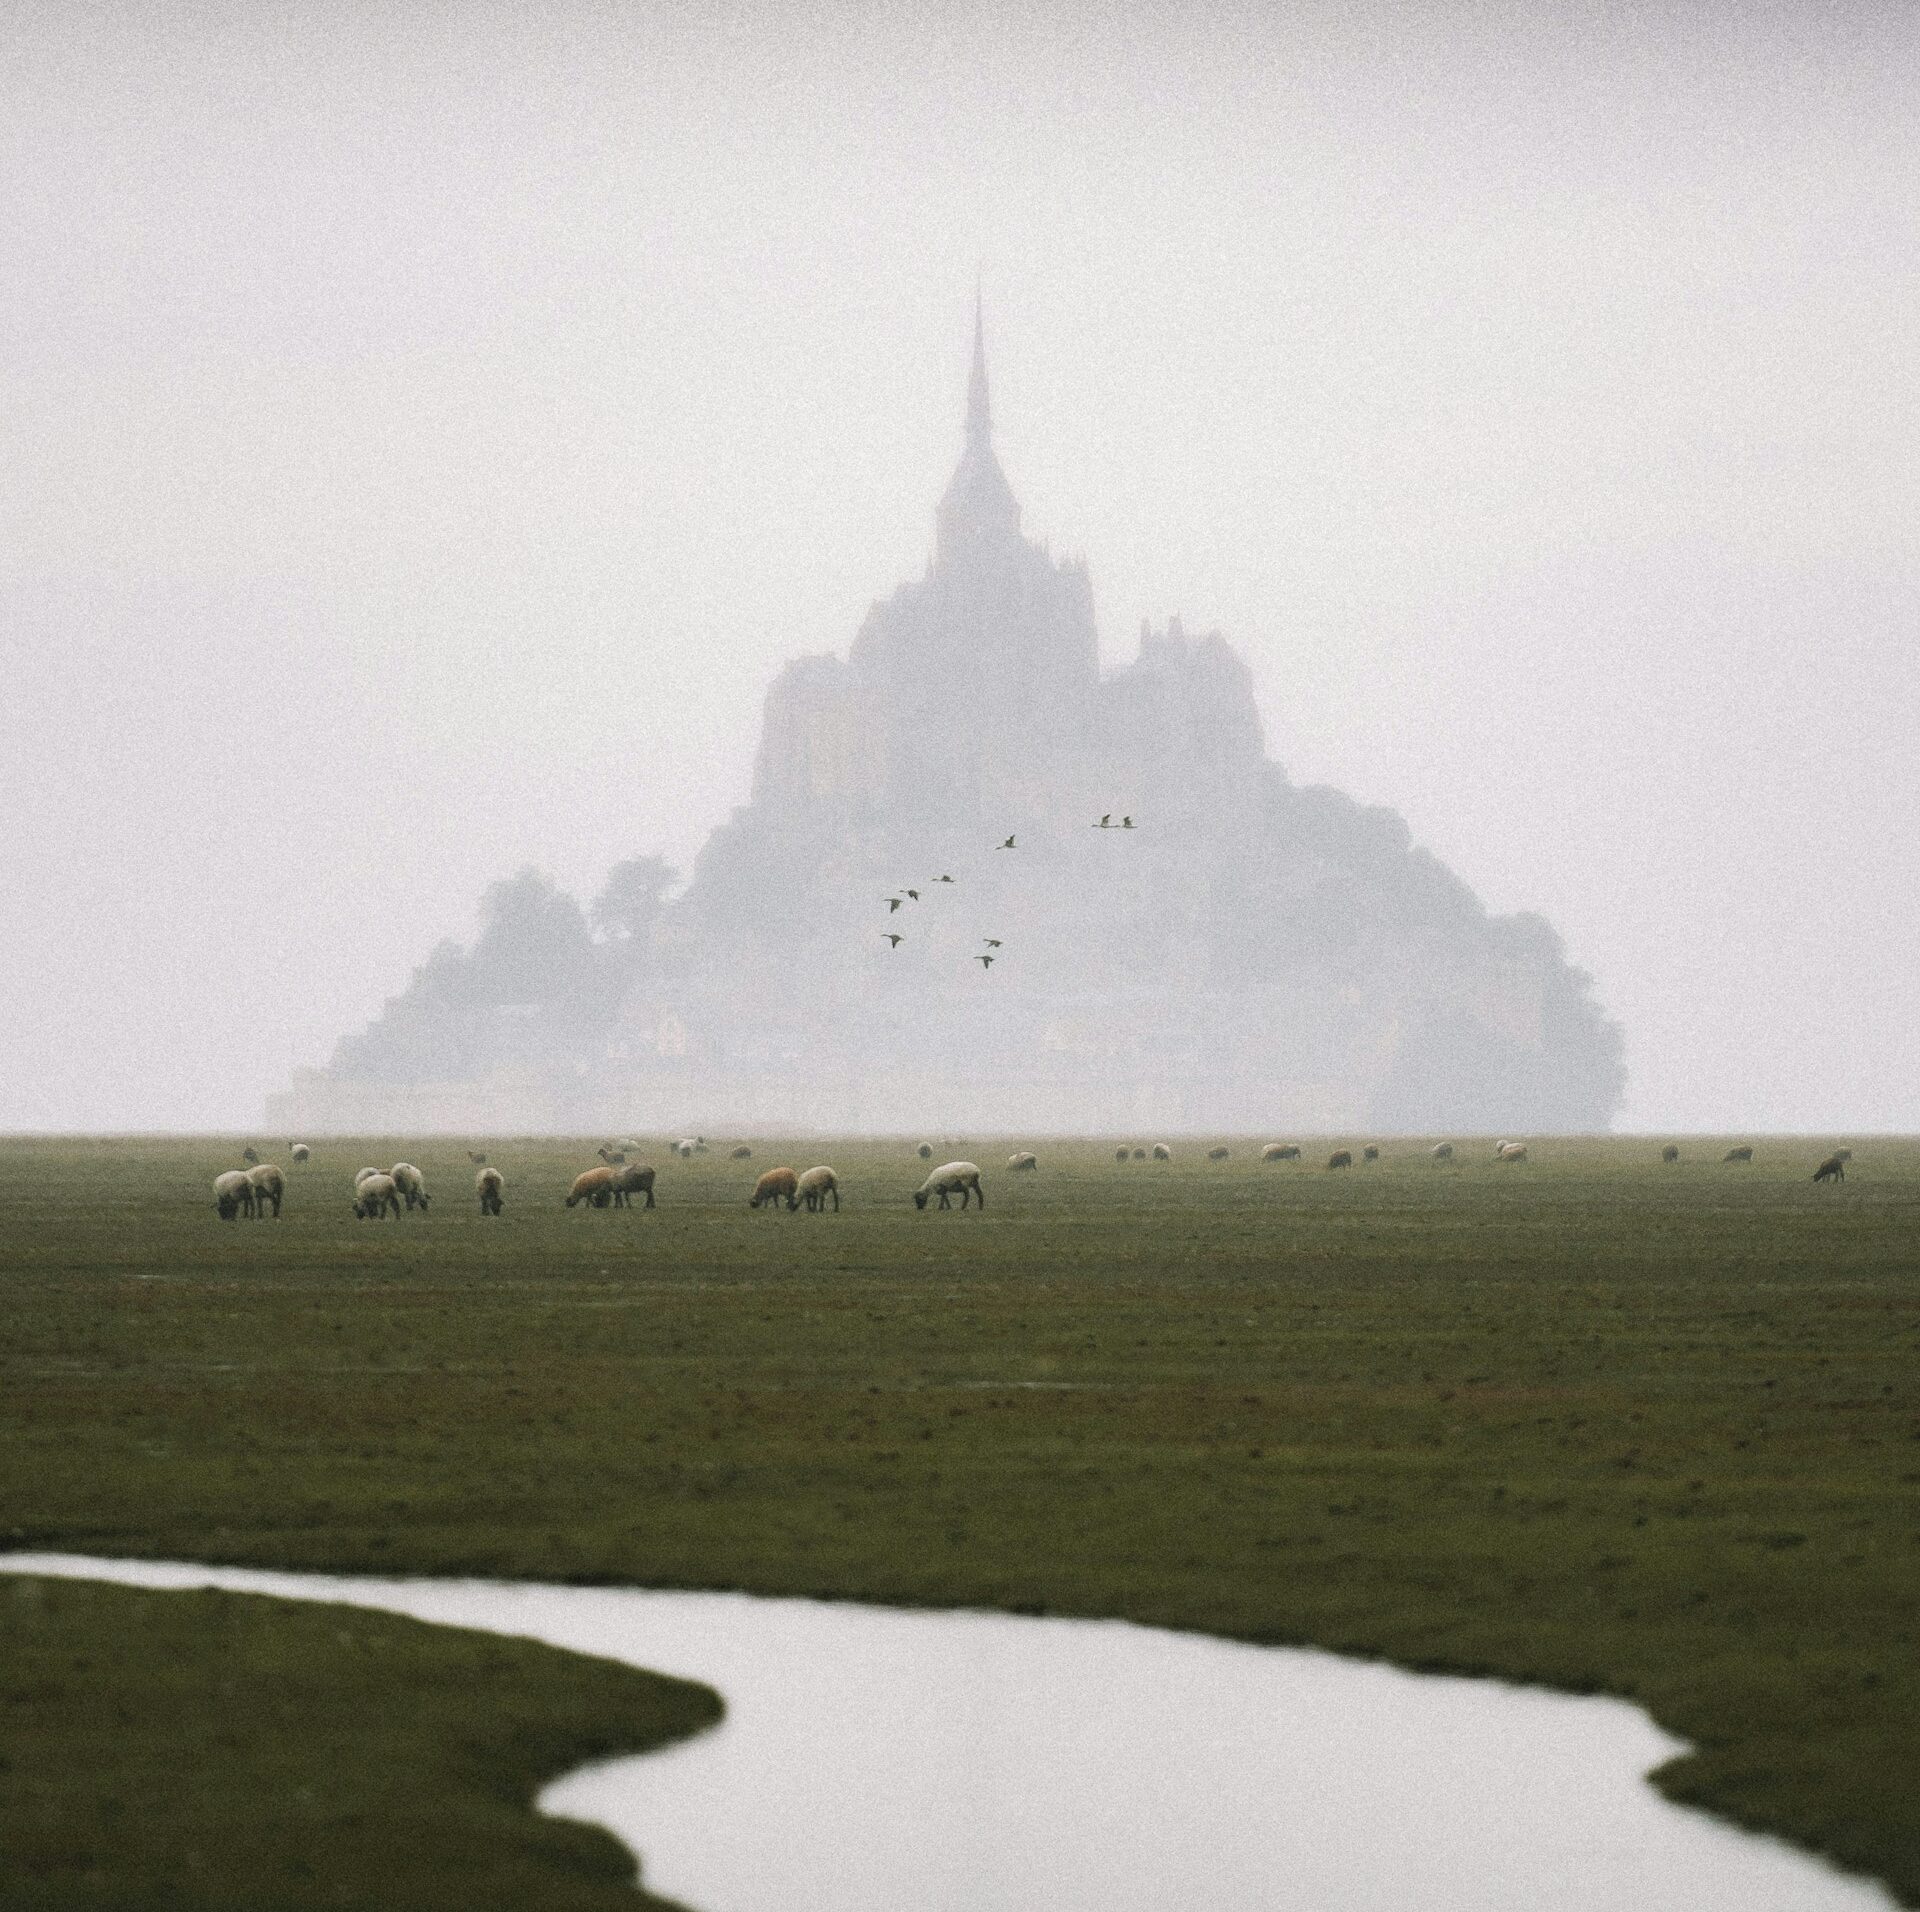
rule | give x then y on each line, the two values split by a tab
986	960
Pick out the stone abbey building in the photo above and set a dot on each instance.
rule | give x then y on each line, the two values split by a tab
1250	956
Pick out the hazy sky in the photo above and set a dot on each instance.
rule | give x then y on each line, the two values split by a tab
428	428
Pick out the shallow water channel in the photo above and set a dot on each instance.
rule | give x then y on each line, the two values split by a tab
874	1760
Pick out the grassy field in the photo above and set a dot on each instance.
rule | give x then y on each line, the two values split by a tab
1586	1420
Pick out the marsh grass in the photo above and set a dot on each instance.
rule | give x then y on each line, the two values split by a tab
1588	1420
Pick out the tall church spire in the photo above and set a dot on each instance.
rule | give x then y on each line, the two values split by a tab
979	411
978	512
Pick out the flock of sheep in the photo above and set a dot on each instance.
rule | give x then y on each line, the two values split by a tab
260	1188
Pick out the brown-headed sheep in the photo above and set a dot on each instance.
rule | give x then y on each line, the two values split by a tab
777	1185
595	1188
1833	1169
233	1194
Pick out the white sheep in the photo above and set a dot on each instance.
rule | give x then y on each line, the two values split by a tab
1161	1153
1442	1151
488	1185
362	1176
1511	1152
411	1184
1024	1162
684	1148
269	1185
374	1195
233	1194
815	1186
299	1151
951	1178
1281	1152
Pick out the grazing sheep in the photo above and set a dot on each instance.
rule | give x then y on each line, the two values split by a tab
299	1151
1511	1152
950	1177
1442	1151
1120	1155
684	1148
1139	1155
269	1185
411	1184
1370	1153
233	1194
1024	1162
595	1187
777	1185
375	1195
1671	1153
925	1151
488	1185
612	1157
1834	1168
249	1154
741	1154
815	1186
362	1176
1742	1154
1218	1155
1161	1153
633	1178
1281	1152
1340	1158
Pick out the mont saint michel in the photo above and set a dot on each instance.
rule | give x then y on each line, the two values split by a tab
981	885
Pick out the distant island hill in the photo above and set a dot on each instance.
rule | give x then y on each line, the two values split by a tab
1230	952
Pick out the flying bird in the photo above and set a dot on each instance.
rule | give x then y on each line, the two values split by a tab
1126	823
985	962
1008	845
992	942
915	894
892	938
943	879
893	903
1106	821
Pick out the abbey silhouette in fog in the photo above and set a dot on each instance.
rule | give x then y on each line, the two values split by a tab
1249	956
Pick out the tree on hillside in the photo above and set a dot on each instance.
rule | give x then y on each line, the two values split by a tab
630	905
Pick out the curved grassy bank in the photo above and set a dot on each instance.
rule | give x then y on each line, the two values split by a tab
1588	1421
221	1750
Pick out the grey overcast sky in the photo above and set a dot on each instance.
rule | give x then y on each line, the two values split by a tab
428	428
